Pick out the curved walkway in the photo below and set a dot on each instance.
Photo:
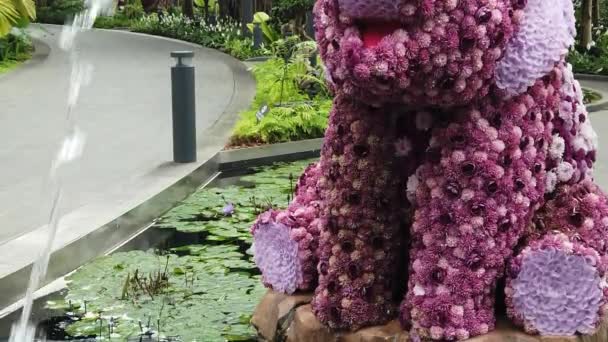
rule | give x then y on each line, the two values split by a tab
125	113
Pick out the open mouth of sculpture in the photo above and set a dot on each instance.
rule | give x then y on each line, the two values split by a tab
372	32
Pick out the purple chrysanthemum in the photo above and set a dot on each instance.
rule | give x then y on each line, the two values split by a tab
276	255
544	35
555	287
301	220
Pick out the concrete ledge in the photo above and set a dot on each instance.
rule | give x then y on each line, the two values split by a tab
266	154
591	77
597	105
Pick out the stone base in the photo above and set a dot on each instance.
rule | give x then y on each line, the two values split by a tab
279	317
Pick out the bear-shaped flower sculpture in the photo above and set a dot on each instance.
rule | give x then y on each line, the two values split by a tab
458	152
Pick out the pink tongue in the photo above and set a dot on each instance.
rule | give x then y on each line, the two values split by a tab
372	33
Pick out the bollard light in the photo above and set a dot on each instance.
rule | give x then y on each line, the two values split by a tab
183	105
310	31
258	36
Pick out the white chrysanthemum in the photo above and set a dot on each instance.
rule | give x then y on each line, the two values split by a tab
550	181
564	171
412	186
557	148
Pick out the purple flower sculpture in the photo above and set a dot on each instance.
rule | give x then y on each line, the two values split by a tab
458	140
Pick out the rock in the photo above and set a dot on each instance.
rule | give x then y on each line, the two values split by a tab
279	317
274	311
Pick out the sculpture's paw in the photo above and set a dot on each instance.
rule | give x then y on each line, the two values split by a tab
556	287
276	255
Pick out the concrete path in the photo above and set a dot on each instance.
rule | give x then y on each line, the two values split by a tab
600	124
125	113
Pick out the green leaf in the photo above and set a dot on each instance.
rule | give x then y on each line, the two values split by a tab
260	17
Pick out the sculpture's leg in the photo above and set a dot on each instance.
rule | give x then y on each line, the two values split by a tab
556	285
363	220
286	241
476	195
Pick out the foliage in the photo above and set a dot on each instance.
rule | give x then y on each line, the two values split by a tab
203	292
133	9
282	123
287	10
590	96
15	13
14	49
115	21
241	48
57	11
261	18
202	212
224	34
203	301
295	95
593	60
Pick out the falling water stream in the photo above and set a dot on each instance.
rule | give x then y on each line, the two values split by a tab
70	149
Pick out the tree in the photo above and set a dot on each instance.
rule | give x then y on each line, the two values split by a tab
586	23
596	12
15	13
188	8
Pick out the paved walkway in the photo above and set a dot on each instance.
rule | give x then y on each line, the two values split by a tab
600	124
125	113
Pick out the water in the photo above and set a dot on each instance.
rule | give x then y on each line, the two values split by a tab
69	150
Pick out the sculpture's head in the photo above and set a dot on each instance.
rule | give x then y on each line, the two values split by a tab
440	52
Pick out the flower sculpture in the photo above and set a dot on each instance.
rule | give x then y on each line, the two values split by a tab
458	141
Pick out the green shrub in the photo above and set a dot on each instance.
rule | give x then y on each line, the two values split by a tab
593	60
14	49
57	11
223	35
116	21
296	98
288	10
288	122
133	9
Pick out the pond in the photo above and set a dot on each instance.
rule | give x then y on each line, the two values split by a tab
198	281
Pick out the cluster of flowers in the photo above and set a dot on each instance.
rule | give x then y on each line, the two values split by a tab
553	273
473	205
362	243
285	242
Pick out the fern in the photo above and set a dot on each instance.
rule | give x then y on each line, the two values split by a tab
293	114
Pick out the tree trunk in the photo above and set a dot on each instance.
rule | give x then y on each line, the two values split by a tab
586	23
596	12
206	9
188	8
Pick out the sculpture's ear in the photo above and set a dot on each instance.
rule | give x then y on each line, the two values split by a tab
543	38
